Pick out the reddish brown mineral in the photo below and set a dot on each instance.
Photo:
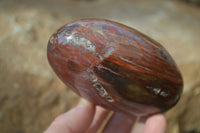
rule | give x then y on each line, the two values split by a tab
115	66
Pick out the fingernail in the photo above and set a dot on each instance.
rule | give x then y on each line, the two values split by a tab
83	103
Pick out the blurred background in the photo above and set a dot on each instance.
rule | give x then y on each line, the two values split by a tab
31	95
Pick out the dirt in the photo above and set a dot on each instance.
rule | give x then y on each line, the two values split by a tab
31	95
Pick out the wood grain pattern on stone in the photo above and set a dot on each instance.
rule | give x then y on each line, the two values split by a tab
115	66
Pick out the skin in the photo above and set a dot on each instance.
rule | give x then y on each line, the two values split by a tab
88	118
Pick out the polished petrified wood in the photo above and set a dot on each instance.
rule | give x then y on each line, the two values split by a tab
115	66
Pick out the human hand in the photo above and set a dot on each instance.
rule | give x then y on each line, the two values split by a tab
88	118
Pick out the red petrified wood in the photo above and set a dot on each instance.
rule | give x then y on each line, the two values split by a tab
115	66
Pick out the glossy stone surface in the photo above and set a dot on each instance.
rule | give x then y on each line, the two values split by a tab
115	66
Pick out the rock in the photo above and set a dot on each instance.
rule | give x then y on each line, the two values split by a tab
25	76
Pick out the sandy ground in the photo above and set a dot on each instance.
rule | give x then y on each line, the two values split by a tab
31	95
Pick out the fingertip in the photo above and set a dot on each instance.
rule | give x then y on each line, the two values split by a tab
100	117
156	124
82	115
119	122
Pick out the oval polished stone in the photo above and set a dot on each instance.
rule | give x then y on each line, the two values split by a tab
115	66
